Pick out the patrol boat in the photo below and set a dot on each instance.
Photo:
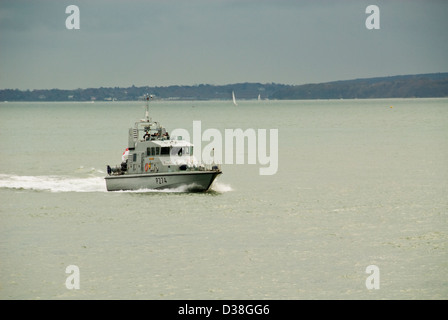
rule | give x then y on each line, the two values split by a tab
154	160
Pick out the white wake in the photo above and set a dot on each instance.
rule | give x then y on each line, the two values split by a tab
55	183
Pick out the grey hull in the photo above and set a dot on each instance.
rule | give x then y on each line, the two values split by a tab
194	181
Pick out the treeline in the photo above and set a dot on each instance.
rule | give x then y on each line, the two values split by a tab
410	86
196	92
407	86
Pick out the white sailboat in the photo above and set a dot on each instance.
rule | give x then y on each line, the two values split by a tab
233	97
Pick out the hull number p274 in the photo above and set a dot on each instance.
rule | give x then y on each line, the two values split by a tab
161	180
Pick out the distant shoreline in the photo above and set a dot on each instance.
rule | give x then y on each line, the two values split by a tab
430	85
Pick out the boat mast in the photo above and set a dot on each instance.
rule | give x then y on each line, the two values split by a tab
147	106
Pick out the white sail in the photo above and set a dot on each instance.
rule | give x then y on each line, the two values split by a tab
233	97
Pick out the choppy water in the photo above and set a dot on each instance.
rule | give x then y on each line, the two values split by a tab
359	183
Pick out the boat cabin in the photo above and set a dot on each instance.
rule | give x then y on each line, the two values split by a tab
152	150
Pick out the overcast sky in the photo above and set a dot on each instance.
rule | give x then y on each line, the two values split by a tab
185	42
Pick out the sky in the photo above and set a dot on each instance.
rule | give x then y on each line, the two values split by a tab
121	43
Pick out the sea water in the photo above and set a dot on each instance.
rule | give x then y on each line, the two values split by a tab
359	183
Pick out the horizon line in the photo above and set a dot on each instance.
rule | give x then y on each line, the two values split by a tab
235	83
